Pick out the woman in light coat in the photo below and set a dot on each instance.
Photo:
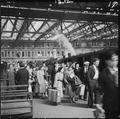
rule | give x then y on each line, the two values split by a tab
41	81
58	83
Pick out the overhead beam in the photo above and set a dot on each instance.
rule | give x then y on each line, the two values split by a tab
98	30
76	29
57	14
91	27
23	28
48	30
4	24
68	26
14	26
24	32
33	27
109	28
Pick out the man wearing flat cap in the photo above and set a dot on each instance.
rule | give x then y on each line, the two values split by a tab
84	72
93	75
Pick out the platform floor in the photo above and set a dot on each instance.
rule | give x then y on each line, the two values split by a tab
43	109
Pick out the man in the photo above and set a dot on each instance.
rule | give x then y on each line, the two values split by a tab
108	82
93	75
22	75
84	73
77	71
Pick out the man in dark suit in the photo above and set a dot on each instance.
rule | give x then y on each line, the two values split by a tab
93	75
22	75
84	78
108	83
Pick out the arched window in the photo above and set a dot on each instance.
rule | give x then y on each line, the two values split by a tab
23	54
28	53
8	53
42	53
2	54
12	53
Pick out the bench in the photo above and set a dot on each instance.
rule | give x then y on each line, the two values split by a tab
16	102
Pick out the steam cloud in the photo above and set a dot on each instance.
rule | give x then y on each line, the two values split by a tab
63	40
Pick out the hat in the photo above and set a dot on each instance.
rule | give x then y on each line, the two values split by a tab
86	63
95	59
21	64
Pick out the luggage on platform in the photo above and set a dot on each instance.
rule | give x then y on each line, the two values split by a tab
82	89
54	96
68	90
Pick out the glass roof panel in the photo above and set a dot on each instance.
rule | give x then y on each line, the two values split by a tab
37	24
100	26
51	23
8	26
28	34
14	36
65	31
2	22
25	38
31	29
6	34
74	26
45	27
67	24
19	24
36	36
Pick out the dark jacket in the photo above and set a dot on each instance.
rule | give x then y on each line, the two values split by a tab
84	76
91	72
110	91
22	76
78	72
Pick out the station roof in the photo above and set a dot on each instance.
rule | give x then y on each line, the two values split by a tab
37	21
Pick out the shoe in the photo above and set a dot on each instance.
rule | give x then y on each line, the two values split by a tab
85	99
90	106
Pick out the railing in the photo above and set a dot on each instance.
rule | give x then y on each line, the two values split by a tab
16	101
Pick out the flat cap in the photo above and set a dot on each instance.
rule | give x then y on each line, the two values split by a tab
86	63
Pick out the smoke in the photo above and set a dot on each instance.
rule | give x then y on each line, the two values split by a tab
63	40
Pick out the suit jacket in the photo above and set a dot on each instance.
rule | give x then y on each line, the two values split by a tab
84	76
91	73
22	76
109	89
78	72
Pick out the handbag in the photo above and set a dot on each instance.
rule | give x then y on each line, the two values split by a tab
77	81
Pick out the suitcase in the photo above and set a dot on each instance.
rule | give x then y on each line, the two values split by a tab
54	96
82	89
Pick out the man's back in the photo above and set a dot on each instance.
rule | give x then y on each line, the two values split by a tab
22	76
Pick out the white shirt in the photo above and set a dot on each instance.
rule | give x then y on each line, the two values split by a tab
96	72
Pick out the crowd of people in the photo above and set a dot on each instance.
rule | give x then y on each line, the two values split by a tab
78	82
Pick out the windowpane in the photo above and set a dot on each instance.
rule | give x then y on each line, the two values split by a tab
28	53
2	54
23	54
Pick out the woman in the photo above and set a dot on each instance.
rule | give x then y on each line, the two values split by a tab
30	70
58	83
11	75
41	81
109	86
73	85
